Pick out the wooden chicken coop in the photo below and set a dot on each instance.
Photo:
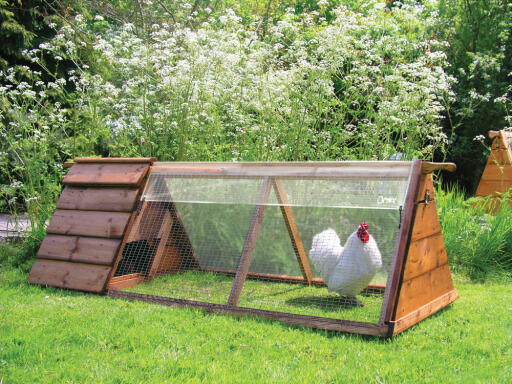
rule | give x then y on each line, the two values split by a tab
497	176
345	246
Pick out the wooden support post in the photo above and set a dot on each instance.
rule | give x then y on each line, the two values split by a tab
250	243
402	244
293	231
163	235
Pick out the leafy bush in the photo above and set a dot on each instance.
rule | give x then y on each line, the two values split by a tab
478	244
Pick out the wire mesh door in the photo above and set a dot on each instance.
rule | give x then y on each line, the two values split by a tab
318	245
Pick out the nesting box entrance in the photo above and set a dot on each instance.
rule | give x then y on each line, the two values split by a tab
318	244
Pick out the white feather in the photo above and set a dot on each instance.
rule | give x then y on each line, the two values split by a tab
357	265
325	252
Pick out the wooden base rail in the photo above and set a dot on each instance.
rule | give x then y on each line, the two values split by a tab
289	318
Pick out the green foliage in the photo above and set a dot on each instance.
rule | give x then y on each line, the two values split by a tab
478	244
480	53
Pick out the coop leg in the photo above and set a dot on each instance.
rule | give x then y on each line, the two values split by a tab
250	243
293	231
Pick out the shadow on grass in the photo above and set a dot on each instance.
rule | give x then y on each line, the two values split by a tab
324	303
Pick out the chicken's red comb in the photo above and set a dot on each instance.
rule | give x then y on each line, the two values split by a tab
362	232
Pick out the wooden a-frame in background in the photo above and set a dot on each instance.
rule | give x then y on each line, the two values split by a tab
497	176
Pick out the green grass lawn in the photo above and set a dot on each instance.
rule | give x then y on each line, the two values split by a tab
282	297
56	336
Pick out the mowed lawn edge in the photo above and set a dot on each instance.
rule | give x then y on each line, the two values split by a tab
49	335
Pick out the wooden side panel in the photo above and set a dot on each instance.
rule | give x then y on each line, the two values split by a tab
423	312
424	255
93	212
79	249
423	289
110	174
426	222
426	274
98	199
89	223
63	274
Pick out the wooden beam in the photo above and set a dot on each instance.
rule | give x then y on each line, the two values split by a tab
118	160
98	199
289	318
163	235
65	274
401	245
423	312
429	167
106	174
293	231
79	249
89	223
126	281
396	169
250	243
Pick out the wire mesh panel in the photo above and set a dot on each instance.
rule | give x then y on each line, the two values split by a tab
294	238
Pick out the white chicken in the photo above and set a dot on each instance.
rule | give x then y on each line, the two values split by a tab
325	252
349	269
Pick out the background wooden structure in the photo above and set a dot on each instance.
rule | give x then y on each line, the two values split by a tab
97	216
497	176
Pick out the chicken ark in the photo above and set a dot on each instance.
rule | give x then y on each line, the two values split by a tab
347	246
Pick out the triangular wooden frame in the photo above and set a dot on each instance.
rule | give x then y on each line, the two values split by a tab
497	175
419	281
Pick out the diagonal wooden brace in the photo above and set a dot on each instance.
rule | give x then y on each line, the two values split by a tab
250	243
293	231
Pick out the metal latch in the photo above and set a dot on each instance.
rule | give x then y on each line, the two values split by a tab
427	198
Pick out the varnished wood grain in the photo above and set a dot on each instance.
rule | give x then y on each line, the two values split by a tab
425	254
79	249
429	167
98	199
426	220
126	281
423	312
63	274
423	289
106	174
88	223
118	160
